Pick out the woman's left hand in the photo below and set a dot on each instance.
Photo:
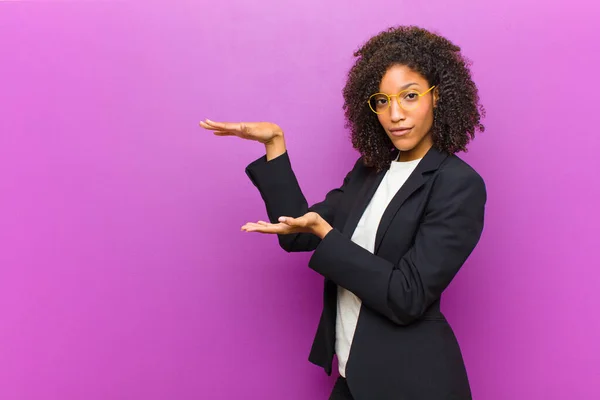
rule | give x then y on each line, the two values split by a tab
310	222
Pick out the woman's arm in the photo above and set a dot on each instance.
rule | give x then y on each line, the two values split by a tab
273	176
279	188
402	292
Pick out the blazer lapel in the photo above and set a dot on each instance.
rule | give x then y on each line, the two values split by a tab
430	162
364	195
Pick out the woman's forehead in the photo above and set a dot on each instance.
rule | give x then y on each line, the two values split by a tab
401	77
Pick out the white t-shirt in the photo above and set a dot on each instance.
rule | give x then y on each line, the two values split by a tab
348	305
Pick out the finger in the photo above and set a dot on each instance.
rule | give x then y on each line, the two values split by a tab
252	227
287	220
212	123
233	133
208	124
299	222
265	227
225	133
228	126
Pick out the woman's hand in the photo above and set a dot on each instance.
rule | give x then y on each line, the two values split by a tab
267	133
263	132
308	223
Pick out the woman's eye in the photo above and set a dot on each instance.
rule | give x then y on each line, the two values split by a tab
411	96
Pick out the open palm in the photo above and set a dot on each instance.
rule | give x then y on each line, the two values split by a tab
262	132
287	225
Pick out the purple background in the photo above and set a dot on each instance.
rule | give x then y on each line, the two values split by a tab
123	271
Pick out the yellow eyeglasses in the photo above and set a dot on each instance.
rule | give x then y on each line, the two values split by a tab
408	99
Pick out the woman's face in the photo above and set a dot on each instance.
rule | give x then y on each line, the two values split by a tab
408	127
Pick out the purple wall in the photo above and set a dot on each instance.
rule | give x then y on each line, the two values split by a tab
123	271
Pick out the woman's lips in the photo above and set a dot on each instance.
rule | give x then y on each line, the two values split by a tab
400	132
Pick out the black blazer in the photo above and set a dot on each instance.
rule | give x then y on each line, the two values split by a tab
403	347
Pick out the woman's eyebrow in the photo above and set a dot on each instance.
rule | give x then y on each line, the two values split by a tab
406	86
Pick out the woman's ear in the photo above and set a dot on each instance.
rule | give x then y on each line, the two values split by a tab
436	96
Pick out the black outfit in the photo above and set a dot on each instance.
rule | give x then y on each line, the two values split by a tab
341	391
403	347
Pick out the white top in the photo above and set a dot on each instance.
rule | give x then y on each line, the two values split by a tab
348	305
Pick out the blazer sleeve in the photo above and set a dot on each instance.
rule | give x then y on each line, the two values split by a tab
279	188
402	292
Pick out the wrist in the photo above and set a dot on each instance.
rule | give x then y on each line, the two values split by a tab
275	146
277	138
322	228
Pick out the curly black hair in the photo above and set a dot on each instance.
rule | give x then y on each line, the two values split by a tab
457	113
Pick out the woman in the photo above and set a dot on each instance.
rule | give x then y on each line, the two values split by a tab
393	236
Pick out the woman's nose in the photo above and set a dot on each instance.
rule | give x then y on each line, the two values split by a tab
397	113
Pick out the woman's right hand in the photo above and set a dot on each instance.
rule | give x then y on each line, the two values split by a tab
263	132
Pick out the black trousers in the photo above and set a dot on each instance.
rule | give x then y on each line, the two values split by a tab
340	390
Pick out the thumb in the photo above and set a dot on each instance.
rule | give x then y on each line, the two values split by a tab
287	220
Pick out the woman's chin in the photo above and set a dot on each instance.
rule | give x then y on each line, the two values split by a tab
403	144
